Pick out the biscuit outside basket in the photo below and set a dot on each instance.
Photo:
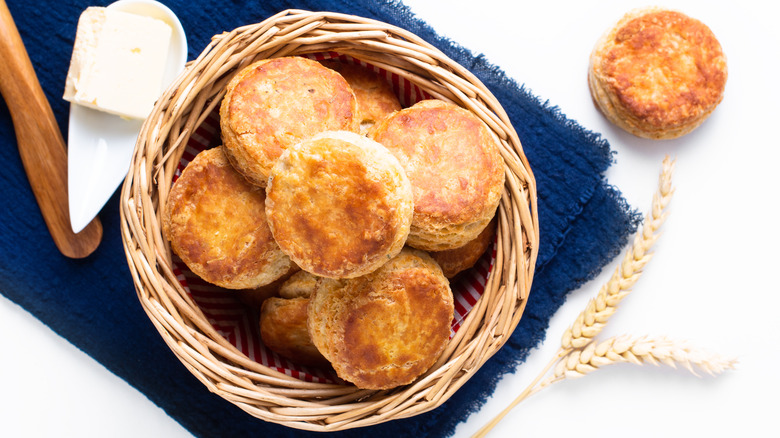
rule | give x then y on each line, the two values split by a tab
260	390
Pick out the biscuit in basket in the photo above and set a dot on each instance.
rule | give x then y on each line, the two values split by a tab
375	97
299	285
455	167
387	328
216	223
275	103
339	204
253	298
657	73
283	330
457	260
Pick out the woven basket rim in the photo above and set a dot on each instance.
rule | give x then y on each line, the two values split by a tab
259	390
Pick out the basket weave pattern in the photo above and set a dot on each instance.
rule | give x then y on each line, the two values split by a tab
262	391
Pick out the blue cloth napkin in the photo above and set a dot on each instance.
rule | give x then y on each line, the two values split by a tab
584	223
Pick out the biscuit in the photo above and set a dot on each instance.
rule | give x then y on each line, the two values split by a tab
457	260
455	167
284	331
299	285
339	204
275	103
375	97
387	328
216	223
657	73
253	298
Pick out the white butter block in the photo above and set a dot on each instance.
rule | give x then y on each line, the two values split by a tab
118	62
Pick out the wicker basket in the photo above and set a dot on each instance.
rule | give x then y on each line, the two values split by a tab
263	391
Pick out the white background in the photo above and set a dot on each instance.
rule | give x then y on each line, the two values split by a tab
712	281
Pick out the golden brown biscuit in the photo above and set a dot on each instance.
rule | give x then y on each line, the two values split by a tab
455	167
457	260
283	330
253	298
339	204
658	73
275	103
299	285
215	221
387	328
375	97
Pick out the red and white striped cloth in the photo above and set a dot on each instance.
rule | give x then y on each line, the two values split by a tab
237	324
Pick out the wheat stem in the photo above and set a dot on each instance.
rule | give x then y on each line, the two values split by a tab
592	320
580	354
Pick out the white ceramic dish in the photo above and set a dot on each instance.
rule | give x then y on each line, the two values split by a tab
100	145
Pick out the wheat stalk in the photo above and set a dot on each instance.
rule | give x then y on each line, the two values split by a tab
592	320
580	354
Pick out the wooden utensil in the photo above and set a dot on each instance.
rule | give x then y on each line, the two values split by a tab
41	145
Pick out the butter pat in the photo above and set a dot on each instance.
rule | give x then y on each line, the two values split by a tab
118	62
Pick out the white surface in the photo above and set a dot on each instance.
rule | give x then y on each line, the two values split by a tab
711	281
100	145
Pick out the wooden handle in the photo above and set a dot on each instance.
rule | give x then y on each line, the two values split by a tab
41	145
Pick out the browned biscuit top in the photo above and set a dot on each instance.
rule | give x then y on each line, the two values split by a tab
375	97
453	162
299	285
339	204
665	68
275	103
283	330
387	328
216	223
